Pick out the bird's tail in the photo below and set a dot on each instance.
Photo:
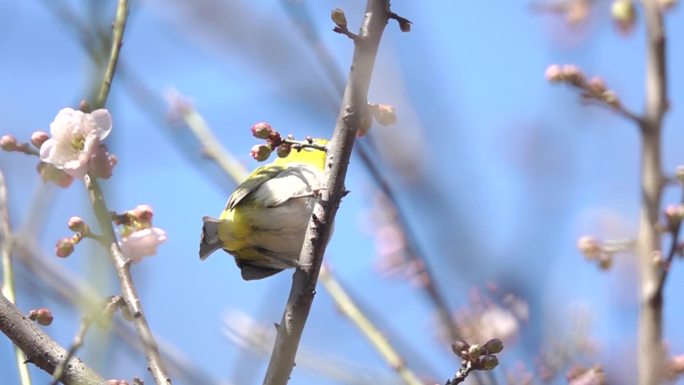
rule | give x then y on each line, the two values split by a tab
210	241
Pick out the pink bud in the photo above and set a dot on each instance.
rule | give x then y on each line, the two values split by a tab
589	246
260	152
554	73
262	130
283	150
64	247
41	315
384	114
8	143
102	162
143	214
38	138
77	225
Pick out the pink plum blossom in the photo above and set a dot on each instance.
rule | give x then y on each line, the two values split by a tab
76	135
142	243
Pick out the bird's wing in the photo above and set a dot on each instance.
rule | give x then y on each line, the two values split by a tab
276	185
252	183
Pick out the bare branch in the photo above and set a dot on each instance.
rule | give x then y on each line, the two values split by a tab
8	273
351	116
128	290
650	345
41	349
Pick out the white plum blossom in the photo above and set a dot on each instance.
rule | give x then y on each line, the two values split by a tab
142	243
76	135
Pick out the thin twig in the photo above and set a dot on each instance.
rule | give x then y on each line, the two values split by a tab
129	292
212	148
650	344
674	247
103	311
120	262
8	274
53	280
41	349
352	112
461	374
349	308
117	41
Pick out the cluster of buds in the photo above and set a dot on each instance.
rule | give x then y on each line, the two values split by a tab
138	238
481	357
594	250
578	375
10	143
41	315
624	15
593	89
65	246
275	142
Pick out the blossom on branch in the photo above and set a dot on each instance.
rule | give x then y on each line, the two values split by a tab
76	136
142	243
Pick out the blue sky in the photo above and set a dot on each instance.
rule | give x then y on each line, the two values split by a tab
499	172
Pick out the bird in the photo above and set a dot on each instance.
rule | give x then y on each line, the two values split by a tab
265	219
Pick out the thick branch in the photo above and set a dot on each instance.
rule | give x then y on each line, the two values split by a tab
352	112
650	347
41	349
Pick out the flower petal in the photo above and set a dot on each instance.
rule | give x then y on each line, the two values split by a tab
103	120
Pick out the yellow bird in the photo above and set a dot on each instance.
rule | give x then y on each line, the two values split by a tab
265	219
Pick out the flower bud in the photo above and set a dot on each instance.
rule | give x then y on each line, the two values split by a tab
50	173
493	346
261	152
64	247
41	315
338	17
460	348
38	138
142	214
597	85
8	143
605	261
85	106
573	75
589	246
76	224
679	174
384	114
102	163
474	351
624	14
404	25
262	130
554	73
486	362
283	150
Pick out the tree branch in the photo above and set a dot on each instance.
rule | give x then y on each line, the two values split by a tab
41	349
352	112
128	290
650	347
8	274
